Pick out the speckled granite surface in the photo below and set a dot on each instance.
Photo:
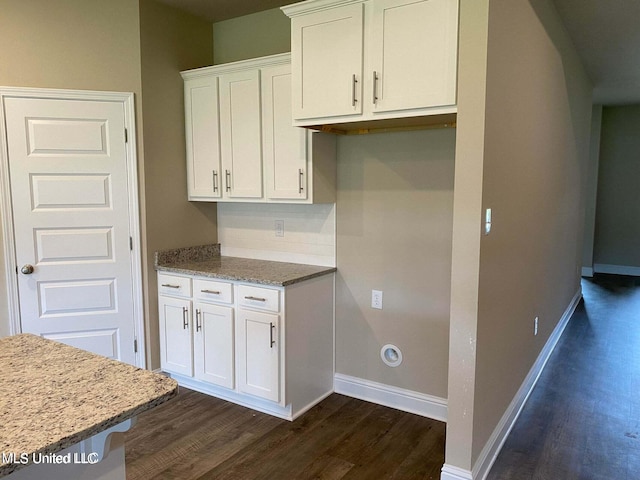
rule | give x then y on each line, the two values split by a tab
193	261
52	396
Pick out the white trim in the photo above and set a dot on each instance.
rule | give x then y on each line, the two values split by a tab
616	269
312	6
11	267
127	100
390	396
501	432
587	272
241	65
449	472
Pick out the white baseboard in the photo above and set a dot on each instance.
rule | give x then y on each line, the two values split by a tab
450	472
587	271
616	269
390	396
498	437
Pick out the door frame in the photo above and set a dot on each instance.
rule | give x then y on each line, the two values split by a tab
11	266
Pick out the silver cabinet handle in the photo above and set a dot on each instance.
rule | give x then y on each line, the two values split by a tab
215	181
375	87
227	177
213	292
271	340
354	81
257	299
168	285
185	318
198	324
300	175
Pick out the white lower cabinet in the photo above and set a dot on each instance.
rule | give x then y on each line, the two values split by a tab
267	348
259	354
213	344
175	335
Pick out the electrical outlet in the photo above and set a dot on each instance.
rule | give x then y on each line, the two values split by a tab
376	299
279	228
535	326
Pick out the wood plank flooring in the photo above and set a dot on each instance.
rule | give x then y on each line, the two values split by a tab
195	436
582	421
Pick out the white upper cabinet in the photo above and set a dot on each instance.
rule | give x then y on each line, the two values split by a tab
363	60
202	137
327	59
240	134
241	144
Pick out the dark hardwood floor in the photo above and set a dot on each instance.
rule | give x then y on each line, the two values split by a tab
582	421
195	436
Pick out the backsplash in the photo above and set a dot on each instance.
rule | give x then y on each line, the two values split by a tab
248	230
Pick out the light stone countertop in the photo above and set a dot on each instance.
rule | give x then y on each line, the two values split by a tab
53	396
206	261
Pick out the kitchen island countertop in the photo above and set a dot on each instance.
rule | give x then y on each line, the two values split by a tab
53	396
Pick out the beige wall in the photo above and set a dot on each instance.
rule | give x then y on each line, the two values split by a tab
71	44
538	119
617	238
256	35
394	221
467	215
171	41
130	46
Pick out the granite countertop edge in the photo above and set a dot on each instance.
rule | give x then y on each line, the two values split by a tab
206	261
202	272
24	357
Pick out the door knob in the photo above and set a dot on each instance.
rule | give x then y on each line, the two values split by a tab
27	269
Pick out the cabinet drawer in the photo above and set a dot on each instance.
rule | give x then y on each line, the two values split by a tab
259	298
174	285
213	291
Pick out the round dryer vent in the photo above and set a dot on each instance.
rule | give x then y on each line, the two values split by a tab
391	355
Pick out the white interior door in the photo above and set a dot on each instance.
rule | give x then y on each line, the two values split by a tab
70	203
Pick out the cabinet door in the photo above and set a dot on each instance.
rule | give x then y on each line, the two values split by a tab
414	54
213	344
259	354
326	51
284	146
175	335
240	134
202	137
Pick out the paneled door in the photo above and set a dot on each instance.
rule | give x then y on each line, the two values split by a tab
70	203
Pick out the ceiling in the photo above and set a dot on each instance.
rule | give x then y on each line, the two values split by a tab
606	34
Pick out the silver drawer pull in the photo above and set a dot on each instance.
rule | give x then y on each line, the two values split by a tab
257	299
213	292
168	285
185	318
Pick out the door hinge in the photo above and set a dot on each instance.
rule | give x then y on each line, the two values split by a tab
131	243
135	345
126	136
